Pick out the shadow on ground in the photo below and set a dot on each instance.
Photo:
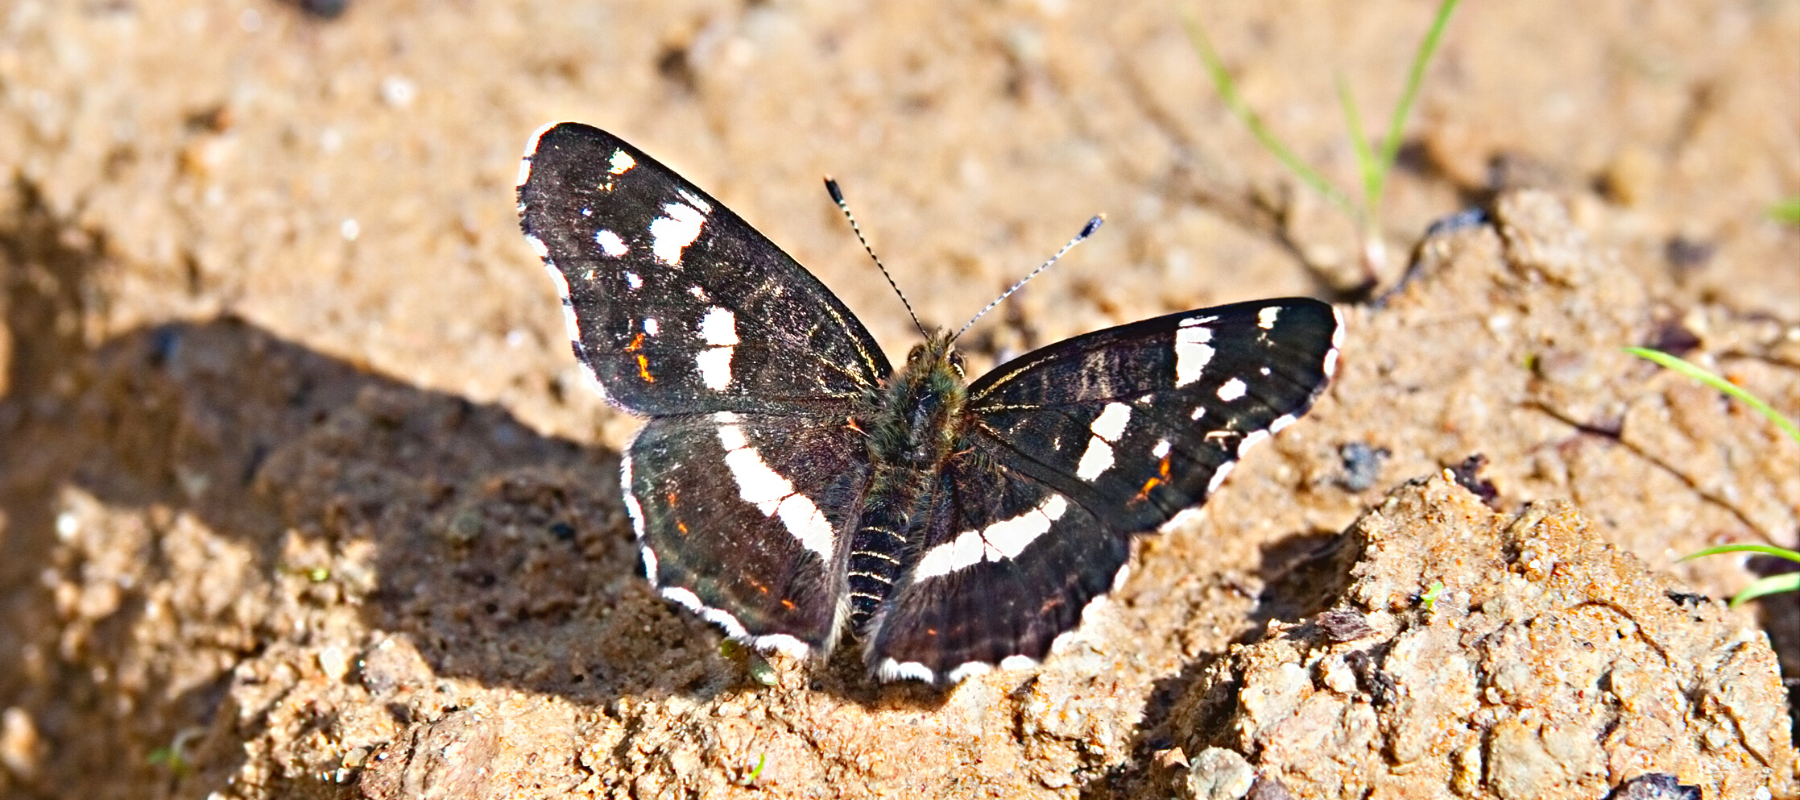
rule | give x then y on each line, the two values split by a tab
501	555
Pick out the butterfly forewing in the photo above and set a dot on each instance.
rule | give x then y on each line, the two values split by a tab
1141	421
675	304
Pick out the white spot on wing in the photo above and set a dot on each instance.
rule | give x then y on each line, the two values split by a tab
610	243
671	234
1265	318
715	367
1199	411
649	562
716	616
1096	459
1004	539
1250	440
1337	342
1219	476
570	322
891	670
1232	390
719	327
1111	422
620	163
1161	449
1018	662
631	503
1181	519
531	150
783	643
632	280
1192	353
772	494
561	280
695	201
651	326
968	669
1106	428
719	330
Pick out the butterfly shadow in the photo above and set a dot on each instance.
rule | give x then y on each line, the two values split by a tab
499	554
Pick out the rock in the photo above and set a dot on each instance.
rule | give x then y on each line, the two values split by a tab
1550	666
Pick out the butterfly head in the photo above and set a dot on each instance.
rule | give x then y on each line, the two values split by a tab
925	404
936	353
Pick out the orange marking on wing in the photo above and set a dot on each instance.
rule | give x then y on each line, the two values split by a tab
1144	493
787	604
637	343
1162	469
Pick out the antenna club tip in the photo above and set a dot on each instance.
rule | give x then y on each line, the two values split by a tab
831	186
1092	225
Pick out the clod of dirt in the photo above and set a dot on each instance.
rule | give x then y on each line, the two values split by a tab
1549	666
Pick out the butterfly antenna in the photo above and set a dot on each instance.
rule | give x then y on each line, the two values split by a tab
837	196
1086	231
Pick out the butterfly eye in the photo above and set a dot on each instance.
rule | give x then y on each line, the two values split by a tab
956	363
916	353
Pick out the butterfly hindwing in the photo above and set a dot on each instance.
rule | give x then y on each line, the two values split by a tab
1006	565
739	517
674	303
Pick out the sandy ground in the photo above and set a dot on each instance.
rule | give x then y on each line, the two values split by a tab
301	493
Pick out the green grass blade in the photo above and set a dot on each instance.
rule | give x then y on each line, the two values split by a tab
1773	584
1787	210
1785	582
1366	164
1762	549
1221	79
1684	367
1390	144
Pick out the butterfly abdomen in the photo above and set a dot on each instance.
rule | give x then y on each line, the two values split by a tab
881	542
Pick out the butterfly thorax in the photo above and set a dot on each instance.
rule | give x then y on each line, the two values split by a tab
917	427
920	419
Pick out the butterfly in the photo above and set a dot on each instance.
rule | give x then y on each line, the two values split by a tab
792	487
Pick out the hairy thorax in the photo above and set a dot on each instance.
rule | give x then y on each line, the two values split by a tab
921	420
